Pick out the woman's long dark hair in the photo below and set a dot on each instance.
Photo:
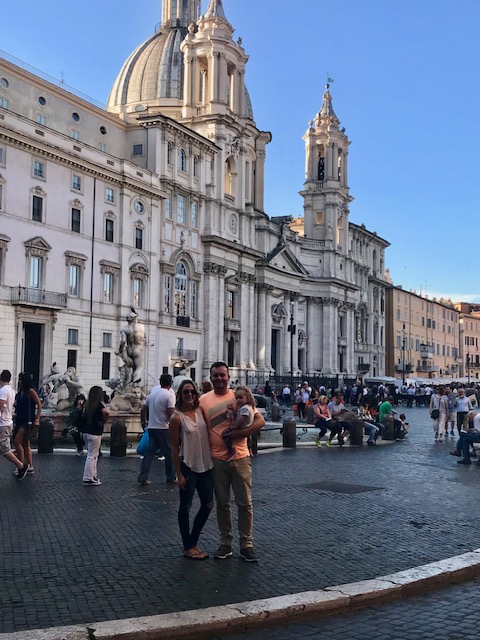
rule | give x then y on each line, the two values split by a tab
95	397
26	381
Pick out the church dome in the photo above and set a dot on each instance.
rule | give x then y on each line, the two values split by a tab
152	74
152	77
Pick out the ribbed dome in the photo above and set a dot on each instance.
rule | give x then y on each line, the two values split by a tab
153	72
152	76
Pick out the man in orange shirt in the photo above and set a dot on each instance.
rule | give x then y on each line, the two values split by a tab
235	473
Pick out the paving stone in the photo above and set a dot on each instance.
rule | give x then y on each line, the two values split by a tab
75	554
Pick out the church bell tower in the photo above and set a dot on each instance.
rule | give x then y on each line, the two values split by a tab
325	193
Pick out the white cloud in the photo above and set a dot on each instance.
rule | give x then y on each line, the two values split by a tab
473	298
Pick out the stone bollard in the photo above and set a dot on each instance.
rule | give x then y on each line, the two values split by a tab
45	435
118	439
289	434
310	414
275	412
356	433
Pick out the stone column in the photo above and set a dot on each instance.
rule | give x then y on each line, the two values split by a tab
261	325
268	327
295	297
330	337
244	319
210	313
251	325
313	359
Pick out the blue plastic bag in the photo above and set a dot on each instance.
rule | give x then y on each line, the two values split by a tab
143	444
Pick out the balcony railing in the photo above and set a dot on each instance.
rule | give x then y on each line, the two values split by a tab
428	368
184	354
232	325
183	321
38	298
363	366
407	368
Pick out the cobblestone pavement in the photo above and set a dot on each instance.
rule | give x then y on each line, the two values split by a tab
74	554
448	614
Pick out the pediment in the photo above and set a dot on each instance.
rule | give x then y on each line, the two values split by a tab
283	259
38	243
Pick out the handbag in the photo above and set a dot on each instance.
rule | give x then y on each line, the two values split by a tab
435	414
143	444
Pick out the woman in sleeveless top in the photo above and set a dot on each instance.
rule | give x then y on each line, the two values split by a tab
28	409
192	460
96	414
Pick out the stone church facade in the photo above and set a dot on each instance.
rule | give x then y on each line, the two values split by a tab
157	202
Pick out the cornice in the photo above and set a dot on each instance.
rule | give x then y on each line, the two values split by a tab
87	167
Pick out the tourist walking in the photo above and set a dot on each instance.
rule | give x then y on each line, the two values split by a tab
193	463
28	409
7	398
95	415
155	416
235	474
439	412
463	407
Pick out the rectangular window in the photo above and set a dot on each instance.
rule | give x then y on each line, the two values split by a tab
37	209
109	230
76	218
35	276
138	238
107	341
231	306
398	314
137	292
137	150
102	146
170	153
38	169
109	195
194	214
167	294
41	119
399	342
168	207
105	365
108	287
74	280
74	134
1	197
2	156
196	165
72	337
181	209
76	183
3	102
193	299
72	358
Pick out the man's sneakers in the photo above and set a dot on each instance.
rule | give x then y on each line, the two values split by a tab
92	483
22	472
223	552
248	554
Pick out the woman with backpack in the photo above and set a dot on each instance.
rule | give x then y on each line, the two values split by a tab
95	415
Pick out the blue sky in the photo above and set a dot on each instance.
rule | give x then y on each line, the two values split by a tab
406	89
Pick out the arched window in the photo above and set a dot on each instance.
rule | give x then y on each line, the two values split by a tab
181	289
182	160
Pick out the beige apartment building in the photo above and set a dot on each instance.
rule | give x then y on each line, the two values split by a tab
469	333
423	336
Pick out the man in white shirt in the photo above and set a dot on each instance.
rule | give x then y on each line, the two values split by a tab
157	409
7	397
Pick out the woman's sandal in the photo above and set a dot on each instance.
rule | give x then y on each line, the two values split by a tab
195	554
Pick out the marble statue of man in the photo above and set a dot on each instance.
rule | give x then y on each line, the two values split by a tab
132	339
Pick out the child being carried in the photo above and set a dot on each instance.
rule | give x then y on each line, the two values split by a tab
243	418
